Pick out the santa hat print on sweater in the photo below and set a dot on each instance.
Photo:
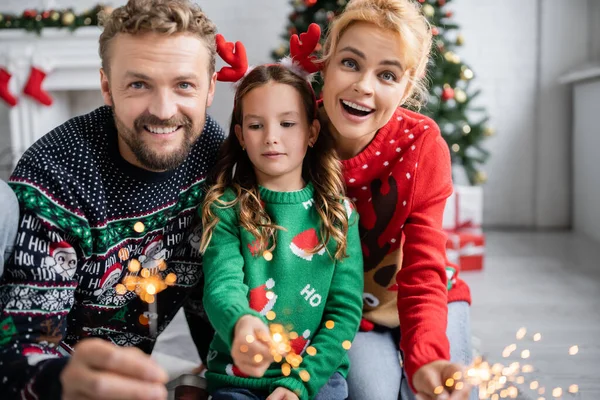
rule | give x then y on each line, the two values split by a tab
150	249
233	370
262	299
300	343
35	354
349	206
62	259
61	246
304	242
110	278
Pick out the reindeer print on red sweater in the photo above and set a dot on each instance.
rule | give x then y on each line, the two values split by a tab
381	263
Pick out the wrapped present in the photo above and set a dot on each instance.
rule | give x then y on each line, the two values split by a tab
464	209
466	249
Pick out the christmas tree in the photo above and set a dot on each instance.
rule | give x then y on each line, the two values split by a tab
450	103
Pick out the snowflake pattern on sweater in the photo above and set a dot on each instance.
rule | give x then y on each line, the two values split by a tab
80	202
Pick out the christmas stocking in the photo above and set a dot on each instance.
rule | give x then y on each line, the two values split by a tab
33	87
5	93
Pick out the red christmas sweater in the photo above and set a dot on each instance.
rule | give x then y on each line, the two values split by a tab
400	183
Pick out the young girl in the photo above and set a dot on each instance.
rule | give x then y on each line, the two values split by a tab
397	171
281	250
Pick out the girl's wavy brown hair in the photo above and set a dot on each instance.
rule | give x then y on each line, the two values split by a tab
234	170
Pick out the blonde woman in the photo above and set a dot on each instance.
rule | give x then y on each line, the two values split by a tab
397	171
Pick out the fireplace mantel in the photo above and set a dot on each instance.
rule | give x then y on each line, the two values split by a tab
73	57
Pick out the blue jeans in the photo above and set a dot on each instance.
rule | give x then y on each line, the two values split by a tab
9	222
375	364
335	389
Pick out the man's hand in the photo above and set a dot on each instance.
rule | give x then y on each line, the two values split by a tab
250	349
101	370
430	382
282	393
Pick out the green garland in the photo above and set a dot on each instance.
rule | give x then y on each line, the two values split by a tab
34	21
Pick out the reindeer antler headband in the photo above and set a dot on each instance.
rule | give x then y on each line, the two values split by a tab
301	61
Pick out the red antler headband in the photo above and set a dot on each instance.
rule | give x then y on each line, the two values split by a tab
238	60
301	48
301	62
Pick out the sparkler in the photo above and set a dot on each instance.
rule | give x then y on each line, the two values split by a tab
146	283
284	349
498	381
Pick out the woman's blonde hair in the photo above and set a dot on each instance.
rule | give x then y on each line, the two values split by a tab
403	17
234	170
157	16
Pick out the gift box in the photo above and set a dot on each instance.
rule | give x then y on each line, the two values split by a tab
462	221
466	249
464	208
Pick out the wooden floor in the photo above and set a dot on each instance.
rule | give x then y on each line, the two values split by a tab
546	282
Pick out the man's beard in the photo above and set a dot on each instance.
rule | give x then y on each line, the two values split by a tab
153	160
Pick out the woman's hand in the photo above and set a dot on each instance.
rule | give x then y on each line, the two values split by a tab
430	381
250	349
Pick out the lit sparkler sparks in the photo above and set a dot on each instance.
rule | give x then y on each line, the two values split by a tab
499	381
146	283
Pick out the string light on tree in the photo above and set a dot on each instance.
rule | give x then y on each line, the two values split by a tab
460	95
466	74
449	56
428	10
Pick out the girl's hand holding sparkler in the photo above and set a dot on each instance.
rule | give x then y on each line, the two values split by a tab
251	347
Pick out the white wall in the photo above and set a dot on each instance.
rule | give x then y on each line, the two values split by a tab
517	50
594	35
586	184
561	51
501	47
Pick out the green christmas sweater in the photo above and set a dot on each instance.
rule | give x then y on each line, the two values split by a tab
313	295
